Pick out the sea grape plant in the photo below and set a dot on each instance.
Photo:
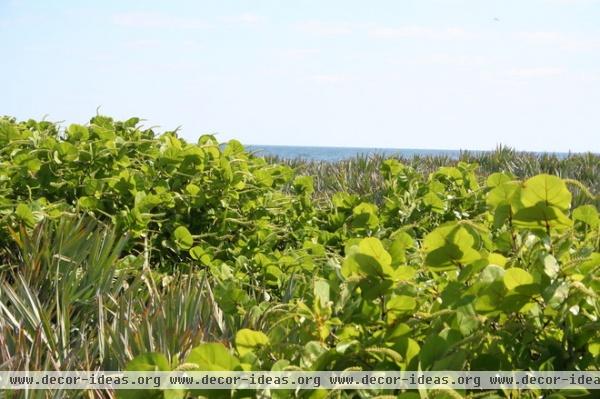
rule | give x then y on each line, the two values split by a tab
449	271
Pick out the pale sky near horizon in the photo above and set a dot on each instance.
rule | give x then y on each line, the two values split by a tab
447	74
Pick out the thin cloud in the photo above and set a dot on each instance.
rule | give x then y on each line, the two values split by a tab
157	21
329	78
458	60
539	72
572	2
143	44
324	28
300	53
560	40
588	77
245	19
23	20
153	44
420	32
338	29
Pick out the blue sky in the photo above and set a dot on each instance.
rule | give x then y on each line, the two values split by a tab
450	74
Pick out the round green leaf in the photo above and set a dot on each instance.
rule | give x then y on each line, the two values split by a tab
77	132
246	340
183	237
515	277
496	179
213	357
401	303
148	362
548	189
588	214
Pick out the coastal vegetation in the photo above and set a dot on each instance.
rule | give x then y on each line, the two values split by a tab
361	174
122	248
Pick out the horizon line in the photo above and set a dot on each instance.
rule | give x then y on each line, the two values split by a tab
500	146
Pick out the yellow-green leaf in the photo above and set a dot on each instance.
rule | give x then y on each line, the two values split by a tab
515	277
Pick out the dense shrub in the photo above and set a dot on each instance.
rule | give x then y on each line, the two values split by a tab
444	271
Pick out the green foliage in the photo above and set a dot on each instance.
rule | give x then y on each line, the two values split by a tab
234	263
246	340
213	357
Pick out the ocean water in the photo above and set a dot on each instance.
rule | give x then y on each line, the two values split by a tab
339	153
333	154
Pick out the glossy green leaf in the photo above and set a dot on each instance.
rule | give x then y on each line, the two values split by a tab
247	340
213	357
515	277
588	214
450	246
547	189
183	237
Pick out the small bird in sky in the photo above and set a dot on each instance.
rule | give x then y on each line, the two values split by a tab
496	19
